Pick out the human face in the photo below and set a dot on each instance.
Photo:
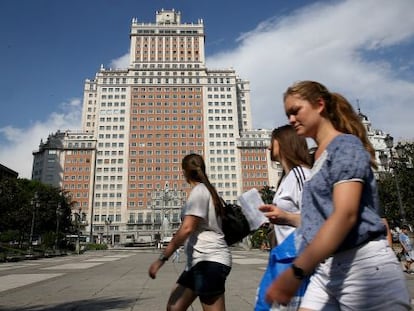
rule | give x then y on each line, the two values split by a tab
274	149
302	115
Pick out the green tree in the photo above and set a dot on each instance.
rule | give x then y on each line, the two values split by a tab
398	181
267	194
25	204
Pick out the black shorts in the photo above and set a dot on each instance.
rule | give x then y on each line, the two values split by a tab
206	279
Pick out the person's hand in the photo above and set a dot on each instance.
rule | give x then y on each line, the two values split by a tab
283	288
153	269
275	214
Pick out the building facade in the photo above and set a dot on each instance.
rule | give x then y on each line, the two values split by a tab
257	169
377	139
67	161
147	117
123	168
6	172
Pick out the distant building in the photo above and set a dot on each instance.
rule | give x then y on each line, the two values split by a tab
67	160
123	169
6	172
165	105
376	137
257	169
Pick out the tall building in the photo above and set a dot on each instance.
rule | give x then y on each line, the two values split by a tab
123	168
147	117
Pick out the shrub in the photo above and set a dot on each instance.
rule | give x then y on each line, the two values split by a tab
95	247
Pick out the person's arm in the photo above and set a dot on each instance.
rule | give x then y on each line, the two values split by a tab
389	235
188	226
346	199
278	216
387	227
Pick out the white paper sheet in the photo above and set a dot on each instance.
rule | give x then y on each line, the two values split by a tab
250	202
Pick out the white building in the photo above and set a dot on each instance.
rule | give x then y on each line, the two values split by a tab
147	117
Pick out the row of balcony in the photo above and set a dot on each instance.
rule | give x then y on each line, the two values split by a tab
149	222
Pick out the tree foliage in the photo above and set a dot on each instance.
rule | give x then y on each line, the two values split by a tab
23	202
398	183
267	194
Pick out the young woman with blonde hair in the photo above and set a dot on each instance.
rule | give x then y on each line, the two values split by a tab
341	239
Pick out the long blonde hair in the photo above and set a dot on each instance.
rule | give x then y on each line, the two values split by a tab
337	109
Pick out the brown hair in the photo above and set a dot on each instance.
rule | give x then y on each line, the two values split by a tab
293	148
195	170
337	109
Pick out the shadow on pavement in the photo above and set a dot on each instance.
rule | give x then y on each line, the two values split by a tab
82	305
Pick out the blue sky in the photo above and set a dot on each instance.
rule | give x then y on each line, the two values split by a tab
362	49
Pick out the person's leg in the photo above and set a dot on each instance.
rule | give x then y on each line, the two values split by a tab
216	303
317	296
408	265
371	277
180	299
210	278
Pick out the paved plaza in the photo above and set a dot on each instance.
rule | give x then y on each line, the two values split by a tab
117	280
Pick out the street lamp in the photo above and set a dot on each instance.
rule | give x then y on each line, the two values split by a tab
165	223
108	222
58	214
78	220
35	204
389	143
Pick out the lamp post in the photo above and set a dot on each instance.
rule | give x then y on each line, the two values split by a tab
58	214
78	220
164	221
108	222
389	143
35	204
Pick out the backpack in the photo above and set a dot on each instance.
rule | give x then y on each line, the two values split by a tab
234	224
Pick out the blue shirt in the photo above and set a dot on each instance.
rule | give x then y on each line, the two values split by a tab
345	159
405	241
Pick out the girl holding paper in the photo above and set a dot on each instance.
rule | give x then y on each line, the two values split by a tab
291	151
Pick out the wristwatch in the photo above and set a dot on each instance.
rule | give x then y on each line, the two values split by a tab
298	272
163	258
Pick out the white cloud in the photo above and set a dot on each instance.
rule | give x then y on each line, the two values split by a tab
21	142
323	42
326	43
121	62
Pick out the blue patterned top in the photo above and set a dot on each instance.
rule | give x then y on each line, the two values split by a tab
345	159
405	241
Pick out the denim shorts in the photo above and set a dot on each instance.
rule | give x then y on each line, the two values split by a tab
205	279
368	277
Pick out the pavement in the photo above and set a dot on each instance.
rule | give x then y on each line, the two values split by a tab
241	285
248	268
117	279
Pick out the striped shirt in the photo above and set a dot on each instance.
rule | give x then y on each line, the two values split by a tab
289	197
